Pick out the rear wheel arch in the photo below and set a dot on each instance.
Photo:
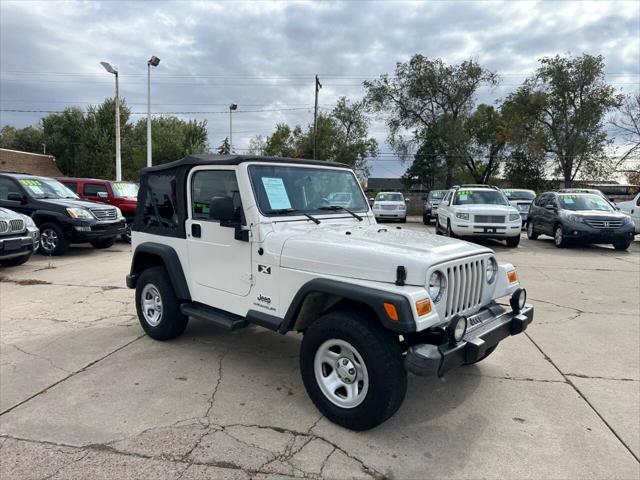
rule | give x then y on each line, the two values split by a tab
149	255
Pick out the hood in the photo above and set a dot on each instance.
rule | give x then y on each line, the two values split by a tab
370	252
6	214
486	209
599	214
73	203
389	202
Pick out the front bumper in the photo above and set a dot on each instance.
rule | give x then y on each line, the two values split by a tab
390	213
84	232
497	324
587	234
498	230
14	247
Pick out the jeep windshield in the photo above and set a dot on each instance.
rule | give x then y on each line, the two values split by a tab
479	197
46	188
585	201
124	189
305	190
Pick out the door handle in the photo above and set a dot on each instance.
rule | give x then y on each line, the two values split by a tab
196	230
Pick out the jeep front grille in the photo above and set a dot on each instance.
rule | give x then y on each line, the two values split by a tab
489	218
11	226
465	282
104	213
600	224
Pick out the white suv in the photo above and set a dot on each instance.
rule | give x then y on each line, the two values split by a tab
479	211
390	206
235	241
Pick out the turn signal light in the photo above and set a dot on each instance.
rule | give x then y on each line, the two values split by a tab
512	276
423	307
392	313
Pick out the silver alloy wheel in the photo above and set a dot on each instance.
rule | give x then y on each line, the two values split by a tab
341	373
151	304
48	240
557	237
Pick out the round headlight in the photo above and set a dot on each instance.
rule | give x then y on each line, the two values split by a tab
492	270
457	329
437	286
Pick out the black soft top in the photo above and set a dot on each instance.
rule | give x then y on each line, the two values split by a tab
162	197
211	159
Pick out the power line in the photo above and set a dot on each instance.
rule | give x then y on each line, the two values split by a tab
10	110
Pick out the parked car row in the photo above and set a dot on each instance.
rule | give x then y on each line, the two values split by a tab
44	214
568	215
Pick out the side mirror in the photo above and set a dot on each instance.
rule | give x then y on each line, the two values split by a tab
16	197
103	195
371	200
548	206
407	200
222	209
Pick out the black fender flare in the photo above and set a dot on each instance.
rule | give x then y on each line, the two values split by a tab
169	259
371	297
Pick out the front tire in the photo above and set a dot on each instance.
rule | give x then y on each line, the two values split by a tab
513	242
352	369
157	305
426	219
450	233
558	237
53	241
531	233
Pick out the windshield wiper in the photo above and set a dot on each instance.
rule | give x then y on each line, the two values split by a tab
283	211
338	207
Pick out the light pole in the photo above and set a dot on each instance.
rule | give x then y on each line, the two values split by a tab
232	107
111	69
153	62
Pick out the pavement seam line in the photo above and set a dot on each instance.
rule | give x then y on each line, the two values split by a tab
72	374
568	380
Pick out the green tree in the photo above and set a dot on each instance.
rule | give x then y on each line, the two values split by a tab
487	140
427	95
27	139
627	126
574	101
280	143
525	171
64	135
428	166
225	147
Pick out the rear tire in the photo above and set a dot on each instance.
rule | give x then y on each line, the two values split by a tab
157	305
103	242
531	233
373	357
623	245
53	241
403	220
14	262
438	232
126	236
513	242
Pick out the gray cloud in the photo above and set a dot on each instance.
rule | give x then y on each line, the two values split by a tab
266	53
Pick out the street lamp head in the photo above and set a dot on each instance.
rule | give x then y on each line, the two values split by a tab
153	61
233	106
109	68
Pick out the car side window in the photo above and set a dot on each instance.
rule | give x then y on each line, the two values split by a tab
94	189
209	184
71	186
638	202
8	186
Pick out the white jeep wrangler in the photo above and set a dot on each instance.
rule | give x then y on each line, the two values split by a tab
240	240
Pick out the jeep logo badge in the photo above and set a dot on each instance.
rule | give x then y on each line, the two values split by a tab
264	299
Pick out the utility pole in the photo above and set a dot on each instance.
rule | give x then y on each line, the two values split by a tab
315	118
152	62
113	70
232	107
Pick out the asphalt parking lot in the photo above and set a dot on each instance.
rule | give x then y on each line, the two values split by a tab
85	394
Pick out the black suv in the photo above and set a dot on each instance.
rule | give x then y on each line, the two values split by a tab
61	216
583	217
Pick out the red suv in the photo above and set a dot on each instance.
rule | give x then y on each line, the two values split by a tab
123	195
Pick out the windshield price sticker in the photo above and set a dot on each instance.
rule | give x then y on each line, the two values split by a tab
276	193
30	183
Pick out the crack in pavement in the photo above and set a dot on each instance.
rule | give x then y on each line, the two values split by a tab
515	379
577	310
568	379
72	374
35	355
581	375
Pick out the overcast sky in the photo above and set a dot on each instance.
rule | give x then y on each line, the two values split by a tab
263	55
